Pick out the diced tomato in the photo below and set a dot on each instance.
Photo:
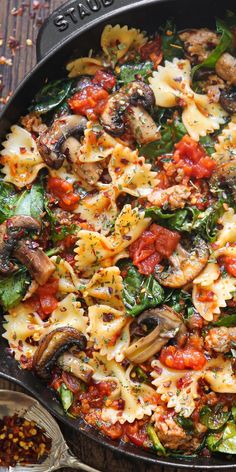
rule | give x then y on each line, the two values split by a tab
113	431
190	155
89	102
206	296
230	265
182	358
105	79
152	246
135	433
64	193
152	50
44	300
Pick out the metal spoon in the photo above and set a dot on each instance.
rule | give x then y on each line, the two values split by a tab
27	407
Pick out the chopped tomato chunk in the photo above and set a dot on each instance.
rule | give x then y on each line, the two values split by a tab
152	246
64	193
190	155
182	358
104	79
44	300
90	101
230	265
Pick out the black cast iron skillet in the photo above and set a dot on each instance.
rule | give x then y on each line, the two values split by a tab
69	32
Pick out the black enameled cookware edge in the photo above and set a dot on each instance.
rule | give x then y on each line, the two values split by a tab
71	31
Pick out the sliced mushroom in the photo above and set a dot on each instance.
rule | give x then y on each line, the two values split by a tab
226	68
37	262
75	366
131	104
52	345
27	251
168	324
11	231
228	100
143	127
225	174
52	144
185	265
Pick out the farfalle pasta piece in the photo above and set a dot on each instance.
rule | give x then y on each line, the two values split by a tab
109	331
23	325
166	382
20	157
223	289
171	85
116	41
139	399
97	144
84	66
95	250
225	146
99	209
228	233
105	287
217	372
68	280
130	173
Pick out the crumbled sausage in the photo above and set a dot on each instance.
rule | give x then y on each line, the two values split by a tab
199	43
226	68
174	197
220	339
171	435
33	123
212	86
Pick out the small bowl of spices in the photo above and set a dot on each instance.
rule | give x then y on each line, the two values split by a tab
30	438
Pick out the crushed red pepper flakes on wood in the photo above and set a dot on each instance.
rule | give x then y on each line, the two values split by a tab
22	442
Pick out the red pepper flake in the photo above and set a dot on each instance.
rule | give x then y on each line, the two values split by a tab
22	442
13	44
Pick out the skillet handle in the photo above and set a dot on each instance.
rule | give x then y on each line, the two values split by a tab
74	15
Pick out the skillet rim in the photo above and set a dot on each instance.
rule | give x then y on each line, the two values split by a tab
135	453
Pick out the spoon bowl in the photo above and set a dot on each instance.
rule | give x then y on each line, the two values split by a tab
27	407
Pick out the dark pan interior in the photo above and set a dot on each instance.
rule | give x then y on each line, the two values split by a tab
147	16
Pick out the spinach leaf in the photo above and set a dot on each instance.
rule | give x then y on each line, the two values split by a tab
190	219
228	320
128	72
224	44
170	134
207	143
31	202
224	441
214	418
8	199
66	397
13	288
51	95
177	221
140	292
185	423
159	448
180	301
58	232
172	46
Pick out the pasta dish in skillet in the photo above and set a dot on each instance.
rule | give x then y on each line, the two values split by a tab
118	238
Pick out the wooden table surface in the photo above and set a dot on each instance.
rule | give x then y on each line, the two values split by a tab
19	24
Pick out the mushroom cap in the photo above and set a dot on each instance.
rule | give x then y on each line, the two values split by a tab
52	345
168	324
10	232
50	143
228	100
185	265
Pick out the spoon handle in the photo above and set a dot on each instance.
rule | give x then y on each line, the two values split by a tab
69	460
